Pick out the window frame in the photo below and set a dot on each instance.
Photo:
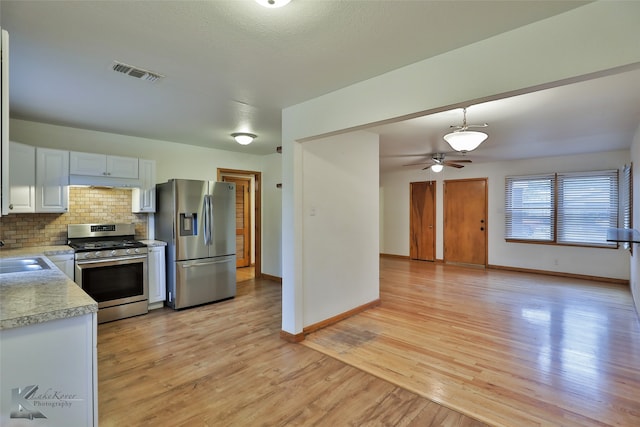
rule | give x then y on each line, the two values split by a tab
556	217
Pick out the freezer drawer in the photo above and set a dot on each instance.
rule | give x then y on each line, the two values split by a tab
203	281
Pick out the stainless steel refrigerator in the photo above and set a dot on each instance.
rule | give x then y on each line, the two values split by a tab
197	220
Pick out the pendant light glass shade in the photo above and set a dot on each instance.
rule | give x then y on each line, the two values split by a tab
437	168
465	140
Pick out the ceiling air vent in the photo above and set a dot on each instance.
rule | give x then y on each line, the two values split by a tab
138	73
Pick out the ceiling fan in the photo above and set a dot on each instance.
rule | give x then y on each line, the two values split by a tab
438	162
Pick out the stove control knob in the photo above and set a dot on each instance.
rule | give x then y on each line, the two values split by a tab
137	250
98	254
113	253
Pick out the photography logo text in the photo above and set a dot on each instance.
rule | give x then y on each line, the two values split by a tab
28	403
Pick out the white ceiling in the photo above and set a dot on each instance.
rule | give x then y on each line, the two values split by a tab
233	65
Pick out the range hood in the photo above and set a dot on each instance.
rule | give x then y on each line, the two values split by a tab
103	181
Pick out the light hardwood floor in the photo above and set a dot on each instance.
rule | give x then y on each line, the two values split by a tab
245	273
507	348
224	364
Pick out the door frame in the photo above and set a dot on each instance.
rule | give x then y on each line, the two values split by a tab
257	210
248	238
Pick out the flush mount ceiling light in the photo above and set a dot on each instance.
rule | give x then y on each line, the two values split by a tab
462	139
243	138
273	3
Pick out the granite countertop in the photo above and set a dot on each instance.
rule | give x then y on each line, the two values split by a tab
28	298
154	242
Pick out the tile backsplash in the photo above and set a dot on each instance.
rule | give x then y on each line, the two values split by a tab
86	206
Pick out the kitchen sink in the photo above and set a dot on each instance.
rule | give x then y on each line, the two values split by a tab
19	265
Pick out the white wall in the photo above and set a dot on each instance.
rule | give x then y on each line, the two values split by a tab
577	260
173	160
635	258
272	215
340	223
589	39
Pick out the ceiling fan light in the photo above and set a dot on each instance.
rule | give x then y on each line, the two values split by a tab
243	138
466	140
273	3
437	168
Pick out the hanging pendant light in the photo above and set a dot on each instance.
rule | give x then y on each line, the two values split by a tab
462	139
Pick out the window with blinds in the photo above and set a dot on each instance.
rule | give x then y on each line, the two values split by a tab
565	208
529	210
587	207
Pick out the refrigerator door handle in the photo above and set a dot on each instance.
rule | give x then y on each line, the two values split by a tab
206	208
202	264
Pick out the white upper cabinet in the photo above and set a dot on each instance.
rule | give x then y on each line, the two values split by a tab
143	199
122	167
52	180
102	165
38	179
4	121
22	178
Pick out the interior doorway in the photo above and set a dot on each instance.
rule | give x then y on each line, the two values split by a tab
422	242
248	221
465	221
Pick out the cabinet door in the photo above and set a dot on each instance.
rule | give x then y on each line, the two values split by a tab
157	278
144	198
87	164
122	167
22	178
52	180
65	263
4	120
59	358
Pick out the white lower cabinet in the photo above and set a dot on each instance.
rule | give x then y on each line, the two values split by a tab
48	373
157	277
65	262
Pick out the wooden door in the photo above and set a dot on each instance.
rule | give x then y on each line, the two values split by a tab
243	220
422	220
465	221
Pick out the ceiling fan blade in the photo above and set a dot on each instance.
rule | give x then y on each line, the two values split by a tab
454	165
418	164
461	161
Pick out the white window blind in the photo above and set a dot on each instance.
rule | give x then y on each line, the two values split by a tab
626	197
529	207
587	207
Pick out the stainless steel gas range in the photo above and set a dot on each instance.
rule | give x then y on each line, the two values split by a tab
111	266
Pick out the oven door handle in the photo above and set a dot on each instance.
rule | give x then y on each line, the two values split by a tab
201	264
103	260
